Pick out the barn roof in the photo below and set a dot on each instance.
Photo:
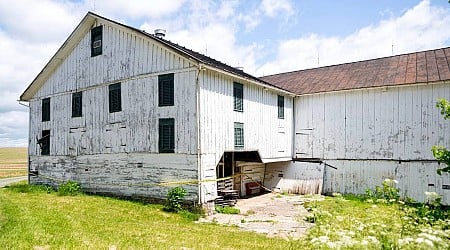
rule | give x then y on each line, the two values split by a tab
86	24
412	68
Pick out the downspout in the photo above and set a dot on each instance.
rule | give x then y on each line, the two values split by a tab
293	128
199	153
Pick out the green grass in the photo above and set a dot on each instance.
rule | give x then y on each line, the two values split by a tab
35	217
30	217
13	162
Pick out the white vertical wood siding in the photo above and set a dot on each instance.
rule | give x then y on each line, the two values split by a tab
262	128
98	136
400	123
369	134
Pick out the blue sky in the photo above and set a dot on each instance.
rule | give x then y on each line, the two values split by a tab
263	36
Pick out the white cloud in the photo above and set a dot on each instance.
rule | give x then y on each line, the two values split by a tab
13	128
273	8
136	9
39	21
419	28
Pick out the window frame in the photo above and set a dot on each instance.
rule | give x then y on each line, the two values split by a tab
96	36
166	90
46	108
77	104
280	107
115	97
44	142
163	123
238	97
239	137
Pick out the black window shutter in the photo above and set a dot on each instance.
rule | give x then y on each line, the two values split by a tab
96	41
238	94
77	104
281	107
166	90
115	102
166	135
46	109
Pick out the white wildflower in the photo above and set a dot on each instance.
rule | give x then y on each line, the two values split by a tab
428	242
372	239
392	200
395	181
419	240
331	244
369	201
364	242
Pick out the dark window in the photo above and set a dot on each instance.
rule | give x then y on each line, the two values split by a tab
166	135
238	94
77	104
281	107
115	102
44	142
238	135
165	90
46	109
96	41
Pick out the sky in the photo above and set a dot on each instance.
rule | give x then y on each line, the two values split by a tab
262	36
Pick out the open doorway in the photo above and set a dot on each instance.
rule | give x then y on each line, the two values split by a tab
240	173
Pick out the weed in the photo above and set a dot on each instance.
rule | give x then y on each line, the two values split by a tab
69	188
175	198
227	210
250	212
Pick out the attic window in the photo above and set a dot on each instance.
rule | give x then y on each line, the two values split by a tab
96	41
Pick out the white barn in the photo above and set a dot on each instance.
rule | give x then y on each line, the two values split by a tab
120	111
128	113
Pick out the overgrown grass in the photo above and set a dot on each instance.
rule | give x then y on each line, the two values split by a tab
13	162
33	217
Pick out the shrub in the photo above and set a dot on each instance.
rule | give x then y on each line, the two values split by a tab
70	188
174	200
387	193
227	210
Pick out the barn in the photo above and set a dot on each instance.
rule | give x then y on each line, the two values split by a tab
362	122
129	113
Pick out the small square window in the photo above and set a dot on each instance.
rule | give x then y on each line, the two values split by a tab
96	41
115	98
46	109
77	104
166	135
281	107
238	94
238	135
165	90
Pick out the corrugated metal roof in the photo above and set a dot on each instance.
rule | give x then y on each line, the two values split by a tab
412	68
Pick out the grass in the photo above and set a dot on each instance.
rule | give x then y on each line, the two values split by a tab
13	162
30	217
34	217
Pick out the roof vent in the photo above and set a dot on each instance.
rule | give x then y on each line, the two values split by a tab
160	33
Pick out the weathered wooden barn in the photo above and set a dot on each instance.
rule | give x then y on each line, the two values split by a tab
121	111
362	122
129	113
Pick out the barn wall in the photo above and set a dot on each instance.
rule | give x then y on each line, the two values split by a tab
125	54
370	135
294	177
263	131
414	178
133	174
383	123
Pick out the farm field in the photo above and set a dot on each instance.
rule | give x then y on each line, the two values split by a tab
34	217
13	162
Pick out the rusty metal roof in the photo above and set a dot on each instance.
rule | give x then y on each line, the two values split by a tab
412	68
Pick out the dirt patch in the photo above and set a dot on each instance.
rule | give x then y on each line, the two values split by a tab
272	214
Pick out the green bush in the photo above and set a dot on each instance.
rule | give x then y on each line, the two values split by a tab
69	188
174	202
227	210
387	193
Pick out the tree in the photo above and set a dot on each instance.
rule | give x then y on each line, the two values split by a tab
440	153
